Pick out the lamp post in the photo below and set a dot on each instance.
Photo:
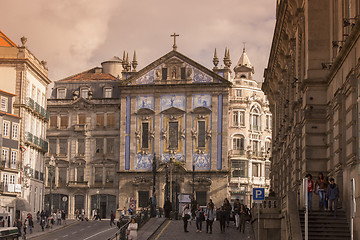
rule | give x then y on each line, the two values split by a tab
193	179
154	174
51	172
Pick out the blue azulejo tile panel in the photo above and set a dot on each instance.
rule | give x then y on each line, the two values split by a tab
168	101
202	161
145	101
143	162
165	157
201	100
198	76
148	78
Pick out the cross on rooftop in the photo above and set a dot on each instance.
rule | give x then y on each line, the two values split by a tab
174	36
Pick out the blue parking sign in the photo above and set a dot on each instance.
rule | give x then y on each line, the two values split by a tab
258	194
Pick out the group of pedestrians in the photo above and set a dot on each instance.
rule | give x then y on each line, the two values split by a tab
327	190
209	214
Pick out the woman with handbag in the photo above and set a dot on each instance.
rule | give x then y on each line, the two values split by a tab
186	216
132	229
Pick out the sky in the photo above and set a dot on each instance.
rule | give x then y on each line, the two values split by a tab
76	35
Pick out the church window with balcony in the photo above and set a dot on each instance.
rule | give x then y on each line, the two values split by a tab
145	135
173	135
239	168
201	134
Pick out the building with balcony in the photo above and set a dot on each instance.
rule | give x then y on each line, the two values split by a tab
10	168
250	134
83	136
23	74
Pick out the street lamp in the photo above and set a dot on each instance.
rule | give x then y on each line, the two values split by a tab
193	179
51	172
154	174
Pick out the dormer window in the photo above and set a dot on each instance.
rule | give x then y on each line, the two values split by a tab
61	93
243	76
84	93
107	92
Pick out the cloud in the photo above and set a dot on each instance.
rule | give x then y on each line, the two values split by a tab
73	36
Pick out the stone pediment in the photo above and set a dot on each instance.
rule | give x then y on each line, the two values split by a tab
178	68
81	103
201	110
173	111
101	160
145	111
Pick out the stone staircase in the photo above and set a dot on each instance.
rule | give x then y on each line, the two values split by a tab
323	225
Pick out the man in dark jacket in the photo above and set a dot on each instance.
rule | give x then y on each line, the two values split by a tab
332	194
222	219
167	207
19	226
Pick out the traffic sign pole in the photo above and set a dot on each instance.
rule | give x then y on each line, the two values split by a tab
258	196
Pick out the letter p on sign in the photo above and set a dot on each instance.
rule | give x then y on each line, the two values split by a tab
258	194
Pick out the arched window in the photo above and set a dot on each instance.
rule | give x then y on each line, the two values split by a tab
243	76
255	119
238	142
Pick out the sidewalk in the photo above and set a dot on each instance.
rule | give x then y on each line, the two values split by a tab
38	232
150	228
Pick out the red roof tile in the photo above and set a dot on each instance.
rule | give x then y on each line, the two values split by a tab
7	93
5	41
90	75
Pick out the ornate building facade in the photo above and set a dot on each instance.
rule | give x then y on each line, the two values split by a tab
174	112
312	82
250	134
24	75
83	136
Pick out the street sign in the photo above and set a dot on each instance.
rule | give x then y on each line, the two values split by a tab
258	194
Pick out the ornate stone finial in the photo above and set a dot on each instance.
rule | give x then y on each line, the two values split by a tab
134	62
215	59
124	61
174	36
244	46
23	41
128	66
228	58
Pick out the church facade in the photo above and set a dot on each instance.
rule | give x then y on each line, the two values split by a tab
173	129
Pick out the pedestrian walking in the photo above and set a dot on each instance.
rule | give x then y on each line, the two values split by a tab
42	223
167	207
243	215
83	215
321	187
186	216
227	209
209	217
132	229
193	206
332	195
211	204
58	217
31	224
63	216
112	218
222	219
237	212
310	189
19	226
200	217
25	226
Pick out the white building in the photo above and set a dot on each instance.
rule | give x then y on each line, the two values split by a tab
23	74
250	134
